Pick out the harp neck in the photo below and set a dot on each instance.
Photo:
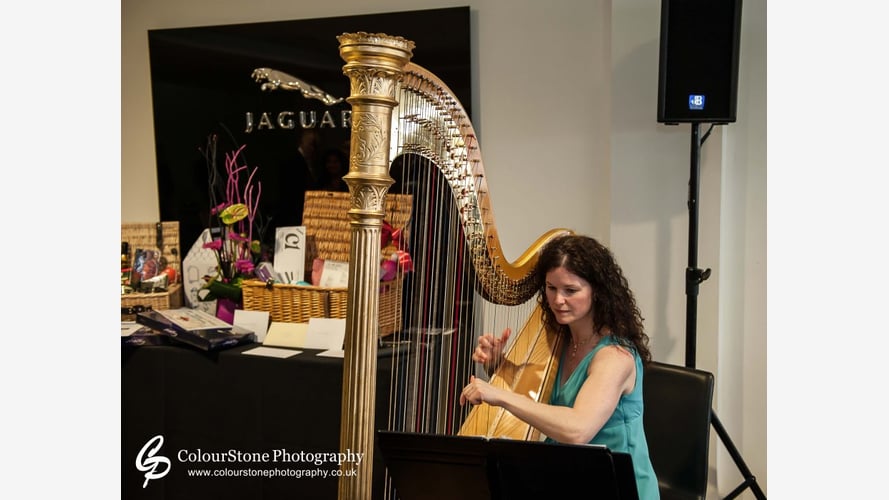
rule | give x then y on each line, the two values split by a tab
432	123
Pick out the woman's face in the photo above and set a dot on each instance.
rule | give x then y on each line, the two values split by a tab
569	296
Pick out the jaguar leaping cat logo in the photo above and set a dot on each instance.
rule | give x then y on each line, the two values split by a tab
275	79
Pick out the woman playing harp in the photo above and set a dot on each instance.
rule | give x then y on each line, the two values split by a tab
597	394
458	284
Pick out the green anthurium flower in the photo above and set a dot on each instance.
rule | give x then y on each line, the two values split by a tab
218	289
233	213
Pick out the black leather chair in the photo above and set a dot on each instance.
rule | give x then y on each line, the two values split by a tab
678	402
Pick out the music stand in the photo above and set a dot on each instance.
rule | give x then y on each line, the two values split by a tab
444	467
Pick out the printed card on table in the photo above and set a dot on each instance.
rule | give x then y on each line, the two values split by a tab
256	321
325	333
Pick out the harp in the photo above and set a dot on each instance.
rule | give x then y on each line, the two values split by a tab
411	135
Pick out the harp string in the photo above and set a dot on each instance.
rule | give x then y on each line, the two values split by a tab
443	312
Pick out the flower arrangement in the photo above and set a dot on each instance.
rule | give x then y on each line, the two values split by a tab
233	215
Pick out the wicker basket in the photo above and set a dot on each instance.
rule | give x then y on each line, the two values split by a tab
296	304
328	237
163	236
325	216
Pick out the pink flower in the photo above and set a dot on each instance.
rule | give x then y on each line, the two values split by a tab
244	266
236	237
388	270
213	245
217	209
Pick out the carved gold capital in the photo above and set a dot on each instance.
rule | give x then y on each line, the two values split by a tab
378	49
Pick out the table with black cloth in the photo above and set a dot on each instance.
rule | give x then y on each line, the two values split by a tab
220	411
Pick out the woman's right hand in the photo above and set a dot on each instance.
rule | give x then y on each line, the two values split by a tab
490	348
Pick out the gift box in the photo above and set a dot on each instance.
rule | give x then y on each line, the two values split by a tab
164	238
325	217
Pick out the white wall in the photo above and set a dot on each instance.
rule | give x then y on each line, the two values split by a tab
565	106
741	397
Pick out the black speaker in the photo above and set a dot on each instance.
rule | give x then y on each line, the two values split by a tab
698	72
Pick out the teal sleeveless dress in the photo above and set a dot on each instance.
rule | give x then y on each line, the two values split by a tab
622	432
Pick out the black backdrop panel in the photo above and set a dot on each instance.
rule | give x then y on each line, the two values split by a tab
202	85
698	72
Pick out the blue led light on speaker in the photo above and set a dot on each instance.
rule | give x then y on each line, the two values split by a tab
696	101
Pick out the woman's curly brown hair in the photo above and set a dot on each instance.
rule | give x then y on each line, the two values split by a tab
614	306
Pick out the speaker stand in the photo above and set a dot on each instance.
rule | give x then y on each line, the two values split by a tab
693	278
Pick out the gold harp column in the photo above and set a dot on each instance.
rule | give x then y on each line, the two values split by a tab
374	64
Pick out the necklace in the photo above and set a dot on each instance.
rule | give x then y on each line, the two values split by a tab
575	345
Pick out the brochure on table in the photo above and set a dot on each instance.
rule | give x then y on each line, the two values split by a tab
326	334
